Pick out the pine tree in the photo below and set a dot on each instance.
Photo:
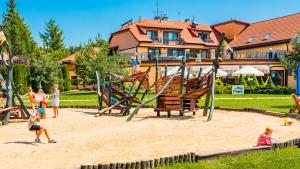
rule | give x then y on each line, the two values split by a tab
270	82
52	37
242	80
255	81
261	81
17	32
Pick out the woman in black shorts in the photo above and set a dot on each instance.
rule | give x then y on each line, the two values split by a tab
33	125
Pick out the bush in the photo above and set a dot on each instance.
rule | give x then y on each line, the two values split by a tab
270	82
22	76
66	81
272	90
255	81
261	81
242	80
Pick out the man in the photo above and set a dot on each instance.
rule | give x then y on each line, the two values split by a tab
33	125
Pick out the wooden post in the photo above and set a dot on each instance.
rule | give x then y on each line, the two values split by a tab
207	99
137	165
181	85
156	68
99	91
156	163
83	167
161	161
95	167
112	166
166	71
193	157
151	164
212	103
110	91
127	166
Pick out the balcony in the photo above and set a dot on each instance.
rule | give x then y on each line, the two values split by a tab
255	55
236	55
161	41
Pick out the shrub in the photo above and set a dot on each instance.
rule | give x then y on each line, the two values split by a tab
270	82
66	81
242	80
255	81
261	81
22	76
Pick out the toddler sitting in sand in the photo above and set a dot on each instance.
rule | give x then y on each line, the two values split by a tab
265	139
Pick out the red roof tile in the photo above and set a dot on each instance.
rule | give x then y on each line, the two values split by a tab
281	29
185	28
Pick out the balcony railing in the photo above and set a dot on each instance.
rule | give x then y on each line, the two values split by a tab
255	55
236	55
162	41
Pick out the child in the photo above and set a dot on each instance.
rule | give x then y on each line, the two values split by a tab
134	64
31	95
296	105
265	138
55	100
33	125
41	97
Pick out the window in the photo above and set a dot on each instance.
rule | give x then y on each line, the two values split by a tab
175	52
251	39
170	36
153	35
203	36
205	54
268	36
152	53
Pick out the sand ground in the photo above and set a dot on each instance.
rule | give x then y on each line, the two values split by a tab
84	139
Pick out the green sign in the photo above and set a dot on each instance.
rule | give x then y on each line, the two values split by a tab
237	89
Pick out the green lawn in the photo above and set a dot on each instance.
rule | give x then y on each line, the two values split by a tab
280	159
278	103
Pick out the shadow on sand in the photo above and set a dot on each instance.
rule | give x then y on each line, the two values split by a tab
22	142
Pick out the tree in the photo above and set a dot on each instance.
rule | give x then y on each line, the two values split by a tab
242	80
270	82
261	81
95	56
52	37
255	81
17	32
292	61
46	68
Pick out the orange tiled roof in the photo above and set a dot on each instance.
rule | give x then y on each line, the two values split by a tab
282	30
68	59
188	34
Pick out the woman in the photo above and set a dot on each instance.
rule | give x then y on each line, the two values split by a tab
55	100
42	98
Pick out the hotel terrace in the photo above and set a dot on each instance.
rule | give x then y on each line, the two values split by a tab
259	44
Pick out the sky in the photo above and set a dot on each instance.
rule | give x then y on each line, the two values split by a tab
84	19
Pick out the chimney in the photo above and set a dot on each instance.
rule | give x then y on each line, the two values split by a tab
187	20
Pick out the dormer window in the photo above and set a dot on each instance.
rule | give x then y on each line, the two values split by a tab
153	35
251	39
205	37
268	36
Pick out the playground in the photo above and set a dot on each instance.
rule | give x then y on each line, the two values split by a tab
84	139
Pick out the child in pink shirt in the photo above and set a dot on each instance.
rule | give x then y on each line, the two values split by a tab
265	138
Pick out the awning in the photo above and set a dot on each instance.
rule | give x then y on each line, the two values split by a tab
248	70
263	68
229	68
